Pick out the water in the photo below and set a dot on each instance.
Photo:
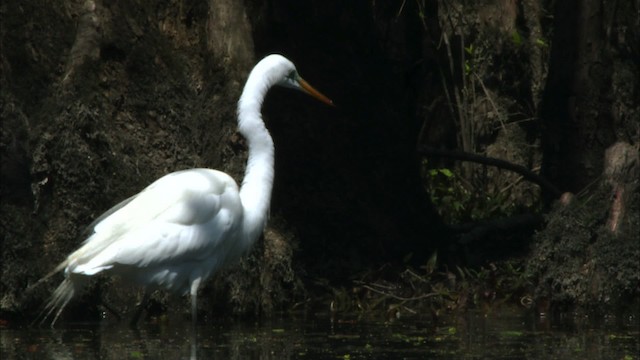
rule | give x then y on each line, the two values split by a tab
503	335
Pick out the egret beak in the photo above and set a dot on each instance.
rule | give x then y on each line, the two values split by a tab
313	92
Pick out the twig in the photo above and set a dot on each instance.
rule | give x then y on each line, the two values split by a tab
424	296
493	104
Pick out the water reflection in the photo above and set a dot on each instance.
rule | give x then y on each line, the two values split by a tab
505	335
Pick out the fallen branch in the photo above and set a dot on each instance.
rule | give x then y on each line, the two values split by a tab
401	298
502	164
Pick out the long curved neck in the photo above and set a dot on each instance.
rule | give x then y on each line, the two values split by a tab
255	192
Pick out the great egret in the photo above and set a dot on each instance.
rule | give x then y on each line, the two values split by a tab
188	224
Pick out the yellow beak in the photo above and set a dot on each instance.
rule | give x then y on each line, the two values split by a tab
313	92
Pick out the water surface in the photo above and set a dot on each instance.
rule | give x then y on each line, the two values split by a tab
500	335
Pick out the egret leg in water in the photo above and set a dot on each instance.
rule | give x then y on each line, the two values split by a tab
186	225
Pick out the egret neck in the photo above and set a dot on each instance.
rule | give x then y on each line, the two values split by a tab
255	192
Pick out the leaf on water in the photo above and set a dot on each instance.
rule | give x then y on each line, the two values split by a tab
512	333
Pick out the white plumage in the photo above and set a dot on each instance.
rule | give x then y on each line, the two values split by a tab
187	224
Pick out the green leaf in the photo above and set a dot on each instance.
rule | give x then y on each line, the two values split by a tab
516	37
541	43
446	172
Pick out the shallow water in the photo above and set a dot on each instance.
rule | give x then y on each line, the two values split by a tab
503	335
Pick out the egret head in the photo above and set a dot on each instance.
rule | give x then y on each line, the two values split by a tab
285	74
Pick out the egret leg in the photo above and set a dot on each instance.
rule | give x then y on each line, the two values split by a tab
140	308
195	284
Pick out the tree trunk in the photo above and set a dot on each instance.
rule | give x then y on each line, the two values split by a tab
587	103
587	253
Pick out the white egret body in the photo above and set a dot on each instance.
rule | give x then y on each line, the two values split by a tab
187	224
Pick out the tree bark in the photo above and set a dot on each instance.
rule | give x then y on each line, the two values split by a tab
587	253
578	109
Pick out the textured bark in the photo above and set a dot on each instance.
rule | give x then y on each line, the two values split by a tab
587	253
585	92
229	35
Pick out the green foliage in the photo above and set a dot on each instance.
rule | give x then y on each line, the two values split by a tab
446	193
457	200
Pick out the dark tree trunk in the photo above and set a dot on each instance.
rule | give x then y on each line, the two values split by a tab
579	105
587	255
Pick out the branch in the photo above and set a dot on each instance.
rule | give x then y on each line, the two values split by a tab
502	164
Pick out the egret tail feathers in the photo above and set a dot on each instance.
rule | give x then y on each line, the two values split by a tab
58	268
60	298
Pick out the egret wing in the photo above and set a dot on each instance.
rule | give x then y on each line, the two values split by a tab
90	229
179	214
